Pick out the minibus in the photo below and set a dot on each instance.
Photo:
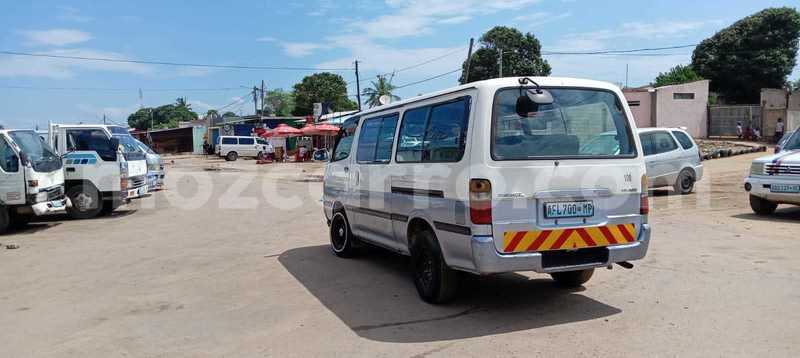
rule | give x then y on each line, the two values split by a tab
492	177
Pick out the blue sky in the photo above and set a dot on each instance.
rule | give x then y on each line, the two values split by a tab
382	35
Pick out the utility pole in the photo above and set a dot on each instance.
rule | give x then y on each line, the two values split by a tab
263	104
500	63
255	100
358	88
469	59
104	118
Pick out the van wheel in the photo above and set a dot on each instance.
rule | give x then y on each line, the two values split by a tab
762	206
342	240
572	278
3	219
232	156
684	184
435	281
86	202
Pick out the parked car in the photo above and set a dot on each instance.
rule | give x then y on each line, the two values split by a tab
775	179
155	167
673	159
491	177
233	147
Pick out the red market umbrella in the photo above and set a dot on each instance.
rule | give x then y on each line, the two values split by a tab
327	129
310	129
283	130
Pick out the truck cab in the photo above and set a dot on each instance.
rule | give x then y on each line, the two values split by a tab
31	179
103	168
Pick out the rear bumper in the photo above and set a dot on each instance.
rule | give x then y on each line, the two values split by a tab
488	261
760	187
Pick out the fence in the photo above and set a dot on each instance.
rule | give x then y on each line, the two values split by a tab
722	119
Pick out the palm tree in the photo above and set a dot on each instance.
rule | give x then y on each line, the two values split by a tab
380	88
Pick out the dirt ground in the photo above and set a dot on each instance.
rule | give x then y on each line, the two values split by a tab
232	260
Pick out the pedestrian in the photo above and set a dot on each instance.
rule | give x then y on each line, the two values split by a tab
739	129
756	134
779	129
205	147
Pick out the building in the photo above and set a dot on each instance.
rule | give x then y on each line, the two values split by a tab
682	105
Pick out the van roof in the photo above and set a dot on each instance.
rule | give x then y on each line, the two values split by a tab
654	129
493	84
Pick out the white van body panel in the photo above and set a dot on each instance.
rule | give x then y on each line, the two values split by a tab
242	150
383	201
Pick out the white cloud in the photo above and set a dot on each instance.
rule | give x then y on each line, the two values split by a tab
69	13
56	37
17	66
118	114
536	19
454	20
600	39
300	49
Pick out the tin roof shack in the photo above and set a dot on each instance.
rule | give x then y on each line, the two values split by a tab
172	140
682	105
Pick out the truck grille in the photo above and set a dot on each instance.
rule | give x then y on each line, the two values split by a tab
56	192
782	169
135	182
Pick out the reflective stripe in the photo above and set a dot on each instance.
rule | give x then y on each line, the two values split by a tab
564	239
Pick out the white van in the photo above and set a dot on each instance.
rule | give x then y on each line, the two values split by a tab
31	179
233	147
490	177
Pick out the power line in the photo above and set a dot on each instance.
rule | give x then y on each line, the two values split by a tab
427	79
605	52
414	65
120	89
166	63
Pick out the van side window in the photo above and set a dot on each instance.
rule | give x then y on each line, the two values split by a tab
434	133
8	159
93	140
247	141
447	127
229	141
383	151
344	140
412	133
684	139
368	140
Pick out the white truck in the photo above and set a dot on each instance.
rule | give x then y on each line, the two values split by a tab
31	179
103	168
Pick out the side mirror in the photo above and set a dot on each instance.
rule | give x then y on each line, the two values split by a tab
115	144
530	101
777	149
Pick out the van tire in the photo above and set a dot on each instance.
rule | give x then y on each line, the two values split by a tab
762	206
231	156
436	282
86	202
684	184
572	278
342	240
4	219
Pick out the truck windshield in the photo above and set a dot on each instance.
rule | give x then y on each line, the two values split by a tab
144	147
793	142
41	156
580	123
130	149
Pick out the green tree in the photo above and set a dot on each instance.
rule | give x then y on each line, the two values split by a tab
677	75
321	87
229	114
166	116
380	88
212	114
758	51
522	56
279	102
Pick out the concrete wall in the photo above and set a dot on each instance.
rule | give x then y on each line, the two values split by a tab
642	113
773	98
793	111
689	113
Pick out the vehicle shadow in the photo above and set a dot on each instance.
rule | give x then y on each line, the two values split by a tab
783	214
375	297
31	228
119	213
660	192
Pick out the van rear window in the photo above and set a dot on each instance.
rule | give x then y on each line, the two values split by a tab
580	123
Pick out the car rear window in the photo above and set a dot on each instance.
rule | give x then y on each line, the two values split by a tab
580	123
683	139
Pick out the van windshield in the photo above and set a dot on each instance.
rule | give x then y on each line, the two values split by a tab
580	123
41	156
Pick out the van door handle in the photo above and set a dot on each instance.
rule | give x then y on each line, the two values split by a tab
346	169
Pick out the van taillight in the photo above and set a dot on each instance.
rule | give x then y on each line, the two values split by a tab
480	201
644	203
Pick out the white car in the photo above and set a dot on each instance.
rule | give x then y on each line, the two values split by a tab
775	179
673	158
233	147
491	177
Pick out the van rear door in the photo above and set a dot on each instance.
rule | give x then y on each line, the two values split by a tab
566	175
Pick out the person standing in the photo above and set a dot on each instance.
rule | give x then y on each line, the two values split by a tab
779	130
739	129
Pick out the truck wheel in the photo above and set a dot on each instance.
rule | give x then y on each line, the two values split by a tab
572	278
435	281
232	156
762	206
19	220
108	207
3	219
86	202
684	184
342	240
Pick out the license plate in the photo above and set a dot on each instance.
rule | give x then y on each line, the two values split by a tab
569	209
785	188
57	203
